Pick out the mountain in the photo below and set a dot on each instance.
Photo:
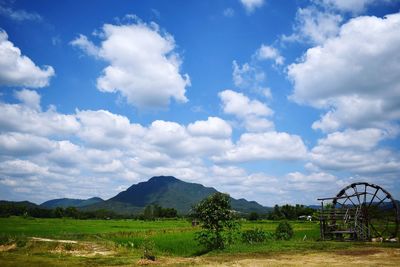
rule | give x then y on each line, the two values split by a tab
70	202
25	204
169	192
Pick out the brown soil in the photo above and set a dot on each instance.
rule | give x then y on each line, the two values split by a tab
76	248
53	240
7	247
360	257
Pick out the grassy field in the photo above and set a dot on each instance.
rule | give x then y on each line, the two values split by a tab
121	242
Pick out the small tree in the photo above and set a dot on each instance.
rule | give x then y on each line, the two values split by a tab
217	221
284	231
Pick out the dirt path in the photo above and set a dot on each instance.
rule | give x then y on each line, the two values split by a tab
79	249
363	257
4	248
54	240
358	257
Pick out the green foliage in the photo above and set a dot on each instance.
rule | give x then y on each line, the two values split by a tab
172	238
256	235
148	247
71	212
289	212
152	212
19	240
217	221
253	216
284	231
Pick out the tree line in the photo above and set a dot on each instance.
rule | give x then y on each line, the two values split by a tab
151	212
289	212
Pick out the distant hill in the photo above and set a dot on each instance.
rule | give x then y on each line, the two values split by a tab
25	204
168	192
70	202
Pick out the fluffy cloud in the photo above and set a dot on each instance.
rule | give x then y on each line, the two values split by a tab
354	75
250	77
21	168
251	5
175	140
213	127
353	6
252	113
86	45
269	52
96	152
364	139
314	26
104	129
30	98
18	144
19	70
144	66
355	151
22	118
265	146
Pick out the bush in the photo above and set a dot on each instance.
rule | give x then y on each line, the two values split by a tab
256	235
148	247
284	231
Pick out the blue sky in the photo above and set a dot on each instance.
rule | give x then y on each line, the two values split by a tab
273	101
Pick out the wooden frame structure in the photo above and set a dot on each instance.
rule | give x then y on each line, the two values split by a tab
359	212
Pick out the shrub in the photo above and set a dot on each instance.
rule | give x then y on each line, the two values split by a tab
256	235
284	231
148	249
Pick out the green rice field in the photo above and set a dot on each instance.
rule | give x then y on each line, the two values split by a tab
70	242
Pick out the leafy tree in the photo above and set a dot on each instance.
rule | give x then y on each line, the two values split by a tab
148	213
289	212
217	221
71	212
59	212
155	211
253	216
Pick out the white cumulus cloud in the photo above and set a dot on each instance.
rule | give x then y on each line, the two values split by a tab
269	52
354	75
29	98
352	6
252	113
213	127
19	70
144	66
314	26
265	146
355	151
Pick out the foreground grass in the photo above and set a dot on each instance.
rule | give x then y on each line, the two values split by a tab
123	239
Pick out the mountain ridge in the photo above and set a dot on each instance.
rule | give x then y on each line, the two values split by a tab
170	192
165	191
70	202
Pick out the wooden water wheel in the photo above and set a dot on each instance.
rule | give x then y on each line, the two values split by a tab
360	211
